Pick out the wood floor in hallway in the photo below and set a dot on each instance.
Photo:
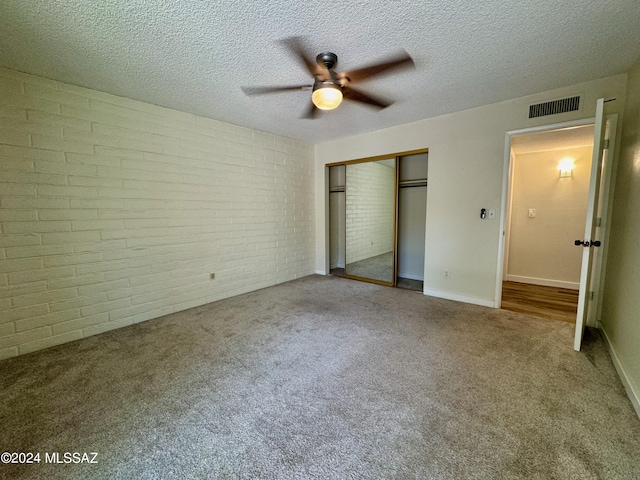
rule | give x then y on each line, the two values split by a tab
542	301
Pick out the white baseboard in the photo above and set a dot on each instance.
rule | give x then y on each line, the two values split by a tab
411	276
321	272
460	298
631	393
543	281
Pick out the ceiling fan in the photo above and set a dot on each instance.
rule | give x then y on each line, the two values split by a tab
330	87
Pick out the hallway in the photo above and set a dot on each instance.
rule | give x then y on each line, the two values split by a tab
548	302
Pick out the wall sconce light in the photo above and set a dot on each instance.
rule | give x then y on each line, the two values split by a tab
566	167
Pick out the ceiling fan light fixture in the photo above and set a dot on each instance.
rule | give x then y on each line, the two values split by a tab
326	95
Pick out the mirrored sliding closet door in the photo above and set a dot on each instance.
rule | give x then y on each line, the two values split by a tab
370	198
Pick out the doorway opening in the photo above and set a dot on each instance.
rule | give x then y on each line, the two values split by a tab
412	218
546	211
593	242
337	212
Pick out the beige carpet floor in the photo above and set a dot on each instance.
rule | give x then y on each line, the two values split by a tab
325	378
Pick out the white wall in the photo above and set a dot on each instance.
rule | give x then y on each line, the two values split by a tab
466	161
412	207
541	249
370	203
114	212
621	308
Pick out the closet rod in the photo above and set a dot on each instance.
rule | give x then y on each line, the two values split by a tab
413	183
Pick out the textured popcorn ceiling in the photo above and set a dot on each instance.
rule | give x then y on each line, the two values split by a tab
195	55
553	140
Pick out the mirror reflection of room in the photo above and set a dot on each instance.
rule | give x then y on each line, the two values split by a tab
370	220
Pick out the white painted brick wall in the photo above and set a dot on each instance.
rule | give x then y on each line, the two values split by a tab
370	197
114	212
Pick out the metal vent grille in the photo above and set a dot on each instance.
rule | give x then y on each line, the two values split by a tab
570	104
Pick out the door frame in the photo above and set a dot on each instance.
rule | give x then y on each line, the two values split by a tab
607	190
506	190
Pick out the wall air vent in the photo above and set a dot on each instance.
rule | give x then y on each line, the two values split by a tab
563	105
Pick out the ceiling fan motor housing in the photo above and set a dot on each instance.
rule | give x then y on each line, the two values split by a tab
327	59
326	84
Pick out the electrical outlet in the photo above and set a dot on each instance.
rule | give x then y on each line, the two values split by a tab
212	276
446	273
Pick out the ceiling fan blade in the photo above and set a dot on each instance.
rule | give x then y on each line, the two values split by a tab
294	45
263	90
311	112
356	96
395	63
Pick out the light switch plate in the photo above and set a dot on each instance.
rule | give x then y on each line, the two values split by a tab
532	213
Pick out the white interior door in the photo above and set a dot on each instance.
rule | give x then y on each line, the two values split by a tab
602	224
589	231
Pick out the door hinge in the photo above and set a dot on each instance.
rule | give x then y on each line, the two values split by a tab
592	294
599	222
606	144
